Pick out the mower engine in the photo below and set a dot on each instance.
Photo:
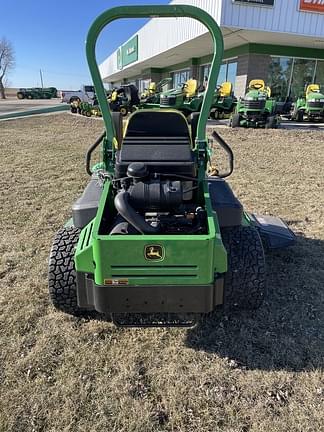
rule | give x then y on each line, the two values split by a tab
156	203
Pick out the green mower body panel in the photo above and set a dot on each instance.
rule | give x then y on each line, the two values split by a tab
256	108
311	106
186	259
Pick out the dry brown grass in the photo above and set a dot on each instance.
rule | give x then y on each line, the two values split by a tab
242	373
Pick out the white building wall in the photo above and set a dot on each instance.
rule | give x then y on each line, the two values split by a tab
161	34
284	17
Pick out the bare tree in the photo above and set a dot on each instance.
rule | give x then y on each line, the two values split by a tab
7	62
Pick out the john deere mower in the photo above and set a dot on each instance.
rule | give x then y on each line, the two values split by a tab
310	106
256	108
224	101
124	99
150	98
185	98
153	240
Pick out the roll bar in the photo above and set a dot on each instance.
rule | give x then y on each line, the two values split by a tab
153	11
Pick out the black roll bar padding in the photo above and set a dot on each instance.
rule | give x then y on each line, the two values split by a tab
91	149
229	152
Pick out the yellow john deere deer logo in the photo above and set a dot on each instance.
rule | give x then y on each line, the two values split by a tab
154	252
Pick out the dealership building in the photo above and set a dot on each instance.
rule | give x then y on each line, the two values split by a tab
280	41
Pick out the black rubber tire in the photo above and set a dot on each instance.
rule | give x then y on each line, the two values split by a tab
235	120
123	111
244	283
61	271
29	96
20	95
88	113
300	116
73	110
271	122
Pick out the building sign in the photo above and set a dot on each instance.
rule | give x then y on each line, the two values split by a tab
255	2
129	51
312	5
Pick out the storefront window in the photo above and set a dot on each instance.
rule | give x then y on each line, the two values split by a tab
180	77
222	74
289	77
279	77
319	78
231	73
143	84
303	75
227	72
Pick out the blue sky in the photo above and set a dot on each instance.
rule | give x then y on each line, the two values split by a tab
50	35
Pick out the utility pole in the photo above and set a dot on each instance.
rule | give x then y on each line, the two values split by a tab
41	77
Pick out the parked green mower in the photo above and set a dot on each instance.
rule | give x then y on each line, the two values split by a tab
188	99
37	93
150	98
185	98
153	240
124	99
224	101
257	108
310	106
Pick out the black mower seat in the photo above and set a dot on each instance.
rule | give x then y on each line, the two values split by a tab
160	139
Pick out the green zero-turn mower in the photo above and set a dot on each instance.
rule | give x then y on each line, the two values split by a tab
150	98
257	108
185	98
154	240
311	105
188	99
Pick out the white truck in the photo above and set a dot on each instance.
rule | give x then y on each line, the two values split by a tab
86	94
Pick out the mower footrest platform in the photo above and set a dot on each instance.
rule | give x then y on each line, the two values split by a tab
154	320
273	231
120	298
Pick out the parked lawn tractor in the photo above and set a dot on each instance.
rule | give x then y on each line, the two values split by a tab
124	99
256	109
185	98
37	93
224	101
154	240
150	98
310	106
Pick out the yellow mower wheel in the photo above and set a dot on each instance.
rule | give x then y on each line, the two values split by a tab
123	111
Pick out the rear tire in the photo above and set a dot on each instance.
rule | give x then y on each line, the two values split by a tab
235	120
244	283
271	122
300	116
61	272
123	111
20	95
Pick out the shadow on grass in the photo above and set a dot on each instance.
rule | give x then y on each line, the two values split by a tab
287	332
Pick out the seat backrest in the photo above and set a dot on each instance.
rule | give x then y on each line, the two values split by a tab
190	88
156	123
226	89
113	96
160	139
313	88
257	84
152	87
